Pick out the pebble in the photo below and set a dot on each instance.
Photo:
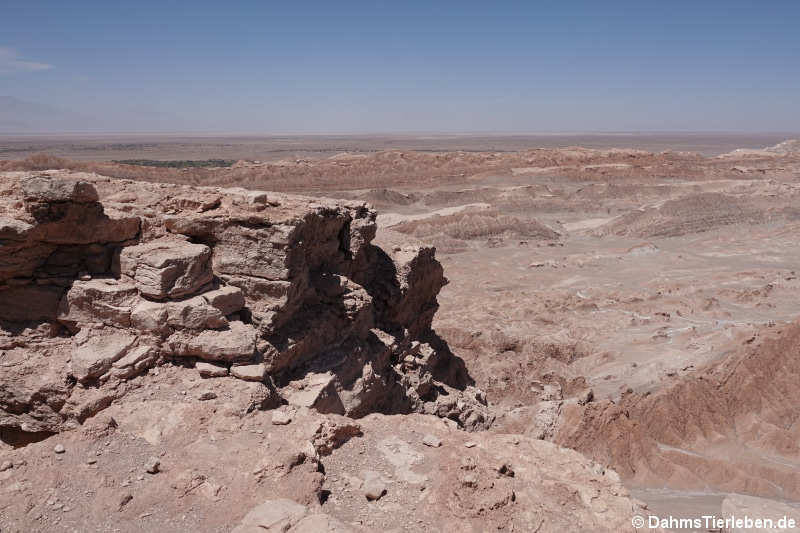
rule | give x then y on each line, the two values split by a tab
470	444
59	448
91	461
280	418
505	469
124	501
432	441
208	396
153	465
374	487
210	370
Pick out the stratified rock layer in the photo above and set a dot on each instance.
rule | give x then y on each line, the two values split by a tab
282	290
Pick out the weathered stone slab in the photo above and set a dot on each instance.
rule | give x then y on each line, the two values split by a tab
98	300
96	356
228	299
167	268
237	343
211	370
134	362
191	313
249	372
48	189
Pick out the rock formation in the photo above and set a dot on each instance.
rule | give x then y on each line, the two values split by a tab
101	280
182	358
730	425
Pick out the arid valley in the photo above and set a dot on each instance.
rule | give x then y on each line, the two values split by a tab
443	333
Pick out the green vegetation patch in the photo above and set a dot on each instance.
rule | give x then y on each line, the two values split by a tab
179	163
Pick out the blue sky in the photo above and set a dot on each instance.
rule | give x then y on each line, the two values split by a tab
354	67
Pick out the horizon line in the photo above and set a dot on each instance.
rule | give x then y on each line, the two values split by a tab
410	133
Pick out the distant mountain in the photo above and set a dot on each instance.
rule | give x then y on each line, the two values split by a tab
20	116
786	147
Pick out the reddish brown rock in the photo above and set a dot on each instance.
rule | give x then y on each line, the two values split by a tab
98	300
237	343
283	286
167	268
97	354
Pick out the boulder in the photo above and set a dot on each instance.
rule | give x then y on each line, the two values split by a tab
263	396
374	487
95	357
98	300
84	403
317	391
194	313
49	189
249	372
149	316
331	432
33	391
135	362
191	313
234	344
250	255
228	299
167	267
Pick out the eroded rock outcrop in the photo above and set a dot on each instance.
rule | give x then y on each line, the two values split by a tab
282	290
730	425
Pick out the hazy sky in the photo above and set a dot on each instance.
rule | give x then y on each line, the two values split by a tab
406	66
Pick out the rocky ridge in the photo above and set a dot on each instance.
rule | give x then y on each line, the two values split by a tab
101	280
